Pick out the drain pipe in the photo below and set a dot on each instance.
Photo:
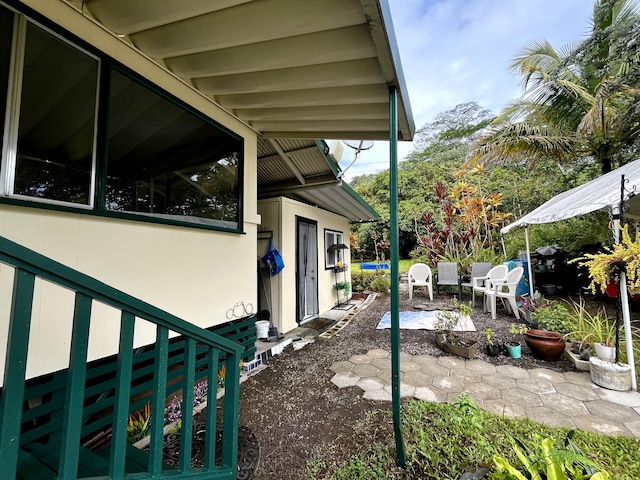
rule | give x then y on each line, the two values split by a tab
395	275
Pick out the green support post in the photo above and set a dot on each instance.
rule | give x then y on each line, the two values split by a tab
395	275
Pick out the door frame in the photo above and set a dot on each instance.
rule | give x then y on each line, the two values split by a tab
301	319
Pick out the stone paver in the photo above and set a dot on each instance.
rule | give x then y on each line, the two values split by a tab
340	367
419	379
576	391
499	381
430	394
522	397
379	353
481	366
511	371
549	417
410	367
345	379
436	370
451	362
596	424
449	384
365	370
531	385
406	390
503	407
556	399
483	391
547	375
611	411
382	363
564	405
368	384
361	359
425	359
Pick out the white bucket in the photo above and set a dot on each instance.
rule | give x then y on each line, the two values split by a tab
262	328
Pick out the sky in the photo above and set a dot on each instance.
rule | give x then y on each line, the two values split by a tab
458	51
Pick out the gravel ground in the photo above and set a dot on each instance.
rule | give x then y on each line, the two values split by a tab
299	415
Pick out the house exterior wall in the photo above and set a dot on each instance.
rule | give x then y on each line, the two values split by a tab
196	274
279	215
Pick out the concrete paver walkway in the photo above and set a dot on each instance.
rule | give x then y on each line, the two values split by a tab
557	399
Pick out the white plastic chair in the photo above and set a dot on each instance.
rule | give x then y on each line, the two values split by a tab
480	284
506	291
420	276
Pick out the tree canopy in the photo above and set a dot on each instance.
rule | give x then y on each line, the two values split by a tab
579	103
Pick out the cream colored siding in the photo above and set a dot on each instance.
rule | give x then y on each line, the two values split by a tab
279	215
193	273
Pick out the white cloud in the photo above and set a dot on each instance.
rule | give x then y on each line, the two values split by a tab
456	51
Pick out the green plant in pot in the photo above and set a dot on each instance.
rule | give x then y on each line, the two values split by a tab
514	347
446	322
493	349
589	329
345	287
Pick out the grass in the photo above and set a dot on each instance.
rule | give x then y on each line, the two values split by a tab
446	440
355	266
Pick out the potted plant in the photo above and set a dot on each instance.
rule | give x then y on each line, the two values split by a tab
345	287
446	322
493	350
529	305
592	330
513	347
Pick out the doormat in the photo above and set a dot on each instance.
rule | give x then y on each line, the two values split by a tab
320	324
424	321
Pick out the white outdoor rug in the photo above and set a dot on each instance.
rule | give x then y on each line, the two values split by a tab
424	320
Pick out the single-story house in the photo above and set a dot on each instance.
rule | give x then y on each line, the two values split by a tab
149	149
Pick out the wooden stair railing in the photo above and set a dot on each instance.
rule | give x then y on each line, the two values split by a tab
73	400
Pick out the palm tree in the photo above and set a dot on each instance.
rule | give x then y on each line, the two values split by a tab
579	102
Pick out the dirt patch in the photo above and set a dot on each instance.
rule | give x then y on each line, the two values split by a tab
299	415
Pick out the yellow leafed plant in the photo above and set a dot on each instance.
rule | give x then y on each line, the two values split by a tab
608	264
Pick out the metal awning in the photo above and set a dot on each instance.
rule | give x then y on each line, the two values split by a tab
304	170
288	68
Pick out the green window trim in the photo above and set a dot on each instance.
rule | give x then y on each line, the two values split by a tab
230	222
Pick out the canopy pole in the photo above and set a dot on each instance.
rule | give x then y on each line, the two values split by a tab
526	239
504	249
624	300
395	275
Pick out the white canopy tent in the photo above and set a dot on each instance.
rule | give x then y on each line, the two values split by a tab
602	193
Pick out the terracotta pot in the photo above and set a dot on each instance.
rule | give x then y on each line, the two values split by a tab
544	344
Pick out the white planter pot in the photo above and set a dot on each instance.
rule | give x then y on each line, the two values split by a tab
614	376
604	352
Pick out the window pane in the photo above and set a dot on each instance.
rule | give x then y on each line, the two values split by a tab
166	162
57	120
6	29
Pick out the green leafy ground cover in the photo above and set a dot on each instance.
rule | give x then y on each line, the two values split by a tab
443	441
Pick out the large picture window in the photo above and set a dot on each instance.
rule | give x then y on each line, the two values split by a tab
57	118
165	161
162	160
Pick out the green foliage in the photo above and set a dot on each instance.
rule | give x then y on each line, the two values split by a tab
547	459
139	424
345	287
489	334
555	316
588	327
446	440
380	284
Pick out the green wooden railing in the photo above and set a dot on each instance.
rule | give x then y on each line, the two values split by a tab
201	350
